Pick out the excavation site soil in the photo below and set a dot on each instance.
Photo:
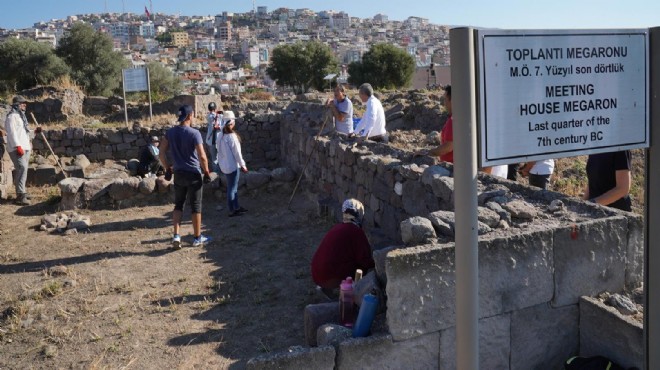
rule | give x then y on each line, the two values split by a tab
117	296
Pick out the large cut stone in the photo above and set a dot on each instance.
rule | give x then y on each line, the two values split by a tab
147	185
494	344
124	189
44	174
590	258
514	272
332	334
283	174
256	180
543	337
94	189
70	185
382	352
321	358
316	315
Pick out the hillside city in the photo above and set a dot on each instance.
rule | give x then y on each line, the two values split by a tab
229	52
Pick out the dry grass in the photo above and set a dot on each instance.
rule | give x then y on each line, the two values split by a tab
65	82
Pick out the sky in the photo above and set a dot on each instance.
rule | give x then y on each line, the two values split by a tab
505	14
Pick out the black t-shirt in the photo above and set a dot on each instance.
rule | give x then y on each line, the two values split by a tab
601	173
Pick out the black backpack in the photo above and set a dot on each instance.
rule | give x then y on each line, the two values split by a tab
592	363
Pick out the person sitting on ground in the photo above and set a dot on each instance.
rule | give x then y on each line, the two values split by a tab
609	179
343	250
149	161
342	110
213	123
446	149
230	160
539	172
372	124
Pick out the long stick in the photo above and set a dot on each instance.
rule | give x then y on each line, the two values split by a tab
316	140
43	137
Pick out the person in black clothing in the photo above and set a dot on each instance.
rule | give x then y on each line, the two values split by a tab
149	161
609	179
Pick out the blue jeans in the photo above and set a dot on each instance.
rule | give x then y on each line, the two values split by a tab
232	190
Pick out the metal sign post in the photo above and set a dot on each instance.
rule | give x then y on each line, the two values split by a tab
464	115
151	111
652	200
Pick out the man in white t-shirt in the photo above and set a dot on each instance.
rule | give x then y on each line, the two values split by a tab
342	110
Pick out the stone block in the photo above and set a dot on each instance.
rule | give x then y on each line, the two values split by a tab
74	171
123	147
129	138
44	174
283	174
635	253
316	315
543	337
79	222
434	172
443	188
382	352
413	198
520	209
95	189
380	259
81	161
70	185
147	186
494	344
515	272
604	331
417	230
488	216
590	259
124	188
70	201
321	358
332	334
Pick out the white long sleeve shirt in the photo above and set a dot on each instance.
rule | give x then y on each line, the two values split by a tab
373	120
229	153
16	134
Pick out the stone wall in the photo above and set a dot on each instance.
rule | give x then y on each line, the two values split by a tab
260	135
534	264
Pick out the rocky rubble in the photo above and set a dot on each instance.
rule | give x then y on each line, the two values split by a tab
67	223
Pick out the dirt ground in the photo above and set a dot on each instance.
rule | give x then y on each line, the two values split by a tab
126	300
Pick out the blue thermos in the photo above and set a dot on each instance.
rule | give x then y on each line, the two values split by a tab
365	316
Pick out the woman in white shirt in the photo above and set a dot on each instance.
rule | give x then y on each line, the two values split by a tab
539	172
230	161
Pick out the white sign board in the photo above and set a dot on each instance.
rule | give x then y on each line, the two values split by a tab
135	79
552	94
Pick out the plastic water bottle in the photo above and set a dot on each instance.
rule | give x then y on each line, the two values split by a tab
366	316
346	309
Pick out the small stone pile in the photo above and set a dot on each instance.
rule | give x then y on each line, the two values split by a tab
67	223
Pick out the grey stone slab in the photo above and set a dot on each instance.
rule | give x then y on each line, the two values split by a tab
382	352
321	358
604	331
44	174
589	260
635	253
543	337
494	344
514	272
316	315
70	185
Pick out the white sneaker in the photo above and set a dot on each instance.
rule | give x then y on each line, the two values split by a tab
176	241
198	242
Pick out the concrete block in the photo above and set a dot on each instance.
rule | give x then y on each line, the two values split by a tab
604	331
590	259
494	344
316	315
382	352
514	272
321	358
543	337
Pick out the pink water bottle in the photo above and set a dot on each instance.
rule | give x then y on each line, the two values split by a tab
346	307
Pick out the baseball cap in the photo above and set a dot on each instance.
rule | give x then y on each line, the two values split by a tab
184	111
18	100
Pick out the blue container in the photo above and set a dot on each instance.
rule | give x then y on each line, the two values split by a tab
366	316
356	122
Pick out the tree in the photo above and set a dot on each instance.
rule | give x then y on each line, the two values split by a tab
164	84
27	63
383	66
302	65
94	65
